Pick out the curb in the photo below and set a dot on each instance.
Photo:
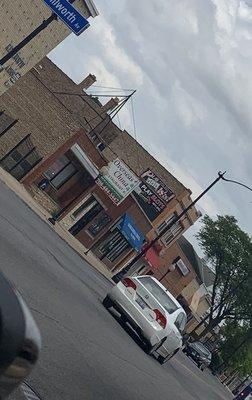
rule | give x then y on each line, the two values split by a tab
27	199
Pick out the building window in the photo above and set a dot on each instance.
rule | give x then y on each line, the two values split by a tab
6	122
174	231
88	211
21	159
114	246
98	225
60	172
85	207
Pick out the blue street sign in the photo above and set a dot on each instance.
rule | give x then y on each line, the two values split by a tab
69	15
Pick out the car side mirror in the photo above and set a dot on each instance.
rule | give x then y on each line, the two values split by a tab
20	339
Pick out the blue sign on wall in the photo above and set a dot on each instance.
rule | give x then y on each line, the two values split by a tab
131	232
69	15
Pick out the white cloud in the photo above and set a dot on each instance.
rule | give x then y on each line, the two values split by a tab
114	54
191	62
189	109
186	177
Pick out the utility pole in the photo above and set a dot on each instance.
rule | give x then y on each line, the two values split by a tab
117	277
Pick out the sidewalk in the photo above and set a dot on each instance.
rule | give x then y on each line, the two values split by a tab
22	193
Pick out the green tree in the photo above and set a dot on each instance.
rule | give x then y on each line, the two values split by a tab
228	251
235	349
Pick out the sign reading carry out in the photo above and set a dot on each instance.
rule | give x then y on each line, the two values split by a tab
117	180
69	15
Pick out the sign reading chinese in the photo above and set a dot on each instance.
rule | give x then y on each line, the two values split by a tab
117	180
149	201
158	187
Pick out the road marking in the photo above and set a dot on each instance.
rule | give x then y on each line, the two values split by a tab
29	393
200	379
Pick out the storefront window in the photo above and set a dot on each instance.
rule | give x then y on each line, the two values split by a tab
56	167
60	172
114	246
100	223
85	207
90	209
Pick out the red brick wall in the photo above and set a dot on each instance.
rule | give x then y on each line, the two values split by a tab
174	280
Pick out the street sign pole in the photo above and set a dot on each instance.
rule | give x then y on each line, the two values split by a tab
63	9
27	39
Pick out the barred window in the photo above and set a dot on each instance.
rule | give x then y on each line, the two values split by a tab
21	159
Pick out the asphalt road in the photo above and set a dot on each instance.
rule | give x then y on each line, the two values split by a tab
86	353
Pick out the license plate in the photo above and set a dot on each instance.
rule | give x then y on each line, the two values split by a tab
141	303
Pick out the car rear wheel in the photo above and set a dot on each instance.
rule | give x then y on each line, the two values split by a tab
107	302
149	349
162	360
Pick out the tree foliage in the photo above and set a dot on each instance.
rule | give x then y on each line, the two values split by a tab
236	346
228	250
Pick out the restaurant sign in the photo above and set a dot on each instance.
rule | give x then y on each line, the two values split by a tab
117	180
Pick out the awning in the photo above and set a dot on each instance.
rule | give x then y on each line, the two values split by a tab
131	232
152	258
84	160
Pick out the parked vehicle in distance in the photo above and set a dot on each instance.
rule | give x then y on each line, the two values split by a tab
199	353
245	393
152	311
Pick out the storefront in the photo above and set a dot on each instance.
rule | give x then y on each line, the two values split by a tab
148	264
71	174
123	238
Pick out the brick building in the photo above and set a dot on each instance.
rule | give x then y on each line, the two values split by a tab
188	278
56	140
18	19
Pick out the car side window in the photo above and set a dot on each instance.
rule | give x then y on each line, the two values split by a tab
180	322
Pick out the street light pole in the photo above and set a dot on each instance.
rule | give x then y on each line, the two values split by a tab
117	277
171	268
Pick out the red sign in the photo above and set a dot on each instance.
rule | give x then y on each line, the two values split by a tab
154	183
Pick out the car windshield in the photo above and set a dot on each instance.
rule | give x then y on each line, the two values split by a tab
199	346
162	296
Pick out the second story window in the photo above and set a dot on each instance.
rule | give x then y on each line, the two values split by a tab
173	232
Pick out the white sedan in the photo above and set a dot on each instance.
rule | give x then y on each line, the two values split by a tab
152	311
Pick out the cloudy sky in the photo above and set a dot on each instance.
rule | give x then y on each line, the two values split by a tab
191	64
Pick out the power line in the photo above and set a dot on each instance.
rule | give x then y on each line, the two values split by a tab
114	88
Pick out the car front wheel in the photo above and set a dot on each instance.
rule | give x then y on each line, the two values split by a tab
162	360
